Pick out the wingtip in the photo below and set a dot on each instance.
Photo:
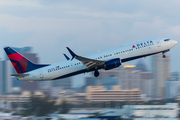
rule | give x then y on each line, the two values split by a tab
66	56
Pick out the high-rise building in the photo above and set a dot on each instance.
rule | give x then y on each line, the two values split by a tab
175	75
65	83
130	78
45	85
146	84
108	73
172	88
123	74
135	79
5	77
109	82
141	66
91	81
160	73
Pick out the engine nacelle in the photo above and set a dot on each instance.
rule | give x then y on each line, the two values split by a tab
113	63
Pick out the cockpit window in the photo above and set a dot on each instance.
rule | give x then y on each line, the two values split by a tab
166	39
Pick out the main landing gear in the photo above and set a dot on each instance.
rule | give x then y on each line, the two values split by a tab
96	73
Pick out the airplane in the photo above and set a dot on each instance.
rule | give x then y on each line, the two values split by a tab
107	60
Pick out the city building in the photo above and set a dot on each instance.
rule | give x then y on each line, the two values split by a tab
75	98
146	84
65	83
172	88
91	81
107	73
141	66
123	74
20	99
55	92
88	81
101	94
5	105
178	97
160	73
169	110
5	77
109	82
45	85
175	75
130	78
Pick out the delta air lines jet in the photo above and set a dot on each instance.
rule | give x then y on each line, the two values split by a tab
106	60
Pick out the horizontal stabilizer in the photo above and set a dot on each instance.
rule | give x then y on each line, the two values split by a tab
20	75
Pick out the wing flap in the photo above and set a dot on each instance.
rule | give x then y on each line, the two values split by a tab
89	63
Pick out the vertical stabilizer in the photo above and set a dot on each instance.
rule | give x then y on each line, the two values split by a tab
20	63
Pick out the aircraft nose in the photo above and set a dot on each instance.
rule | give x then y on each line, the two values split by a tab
174	42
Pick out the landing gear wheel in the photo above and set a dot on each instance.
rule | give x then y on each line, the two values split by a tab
96	73
164	56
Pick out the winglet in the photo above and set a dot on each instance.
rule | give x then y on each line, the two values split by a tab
66	57
72	53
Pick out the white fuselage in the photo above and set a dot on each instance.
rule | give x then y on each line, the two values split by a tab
125	53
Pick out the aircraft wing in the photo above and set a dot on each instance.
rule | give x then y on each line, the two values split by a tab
89	63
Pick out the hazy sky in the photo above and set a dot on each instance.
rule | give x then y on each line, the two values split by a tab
87	26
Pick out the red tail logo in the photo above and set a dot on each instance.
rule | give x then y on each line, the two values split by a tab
19	62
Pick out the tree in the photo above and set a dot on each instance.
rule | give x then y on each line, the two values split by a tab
64	107
40	106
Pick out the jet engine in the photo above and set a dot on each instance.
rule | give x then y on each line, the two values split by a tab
113	63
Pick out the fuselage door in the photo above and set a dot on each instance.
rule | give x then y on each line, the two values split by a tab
41	75
158	43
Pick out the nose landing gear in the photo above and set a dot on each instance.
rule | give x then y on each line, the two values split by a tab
164	56
96	73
